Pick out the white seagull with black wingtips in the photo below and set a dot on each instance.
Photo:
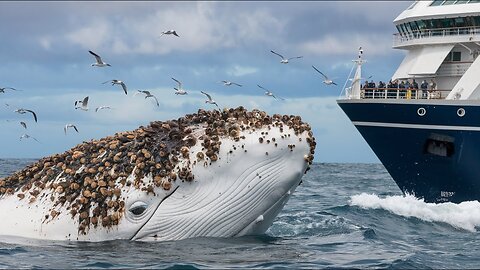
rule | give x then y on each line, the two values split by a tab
83	103
99	60
102	108
24	111
326	80
124	87
179	90
269	93
170	32
147	95
2	89
209	100
229	83
69	126
285	60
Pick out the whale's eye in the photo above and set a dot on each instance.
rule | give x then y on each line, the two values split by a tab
138	208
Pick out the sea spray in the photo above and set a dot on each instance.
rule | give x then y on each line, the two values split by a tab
465	215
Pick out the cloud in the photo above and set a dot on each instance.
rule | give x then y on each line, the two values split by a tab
93	36
348	44
219	40
238	71
202	26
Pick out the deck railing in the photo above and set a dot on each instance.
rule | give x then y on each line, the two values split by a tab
398	38
396	93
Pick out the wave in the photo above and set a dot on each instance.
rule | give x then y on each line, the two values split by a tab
465	215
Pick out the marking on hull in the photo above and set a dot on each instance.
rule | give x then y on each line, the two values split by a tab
415	126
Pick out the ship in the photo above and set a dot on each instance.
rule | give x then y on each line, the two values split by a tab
424	124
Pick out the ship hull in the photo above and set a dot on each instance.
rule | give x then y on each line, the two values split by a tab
431	148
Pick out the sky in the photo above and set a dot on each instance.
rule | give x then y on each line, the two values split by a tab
44	53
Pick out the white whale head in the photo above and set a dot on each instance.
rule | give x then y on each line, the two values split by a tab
210	174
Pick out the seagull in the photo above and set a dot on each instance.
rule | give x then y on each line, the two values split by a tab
269	93
118	82
99	62
2	89
179	90
24	125
24	111
228	83
102	107
26	136
69	126
360	52
169	32
84	104
210	100
326	81
285	60
147	95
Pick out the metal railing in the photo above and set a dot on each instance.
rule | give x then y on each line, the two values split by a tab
397	93
398	38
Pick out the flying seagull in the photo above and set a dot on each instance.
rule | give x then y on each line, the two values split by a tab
24	111
24	125
179	90
147	95
228	83
119	83
69	126
269	93
99	62
102	107
2	89
285	60
170	32
26	136
326	80
209	100
83	103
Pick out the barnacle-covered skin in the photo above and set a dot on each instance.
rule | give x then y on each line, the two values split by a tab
212	173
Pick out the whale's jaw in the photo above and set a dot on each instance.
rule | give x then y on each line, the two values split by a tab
240	194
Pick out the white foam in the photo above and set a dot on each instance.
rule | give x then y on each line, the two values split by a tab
465	215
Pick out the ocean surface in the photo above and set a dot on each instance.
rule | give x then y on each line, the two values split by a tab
342	216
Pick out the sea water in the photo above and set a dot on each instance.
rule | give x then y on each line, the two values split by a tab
341	216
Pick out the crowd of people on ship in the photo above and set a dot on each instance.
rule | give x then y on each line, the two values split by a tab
405	88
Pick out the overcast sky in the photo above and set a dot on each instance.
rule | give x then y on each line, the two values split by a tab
44	53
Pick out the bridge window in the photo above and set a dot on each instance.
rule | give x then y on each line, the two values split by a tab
453	57
437	3
452	2
433	24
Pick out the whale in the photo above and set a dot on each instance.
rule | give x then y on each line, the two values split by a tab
219	173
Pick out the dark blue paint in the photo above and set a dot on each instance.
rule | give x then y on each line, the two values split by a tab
402	150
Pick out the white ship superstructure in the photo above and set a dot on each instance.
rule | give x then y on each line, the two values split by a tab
442	39
424	125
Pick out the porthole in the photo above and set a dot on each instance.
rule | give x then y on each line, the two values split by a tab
421	111
461	112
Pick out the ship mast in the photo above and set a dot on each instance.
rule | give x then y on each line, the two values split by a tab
355	87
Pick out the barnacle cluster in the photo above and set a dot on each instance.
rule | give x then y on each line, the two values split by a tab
87	180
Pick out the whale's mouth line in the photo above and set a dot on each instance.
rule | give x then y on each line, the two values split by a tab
156	208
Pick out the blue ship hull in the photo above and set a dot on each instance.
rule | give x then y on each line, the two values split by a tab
431	148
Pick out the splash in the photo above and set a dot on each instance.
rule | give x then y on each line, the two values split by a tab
465	215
